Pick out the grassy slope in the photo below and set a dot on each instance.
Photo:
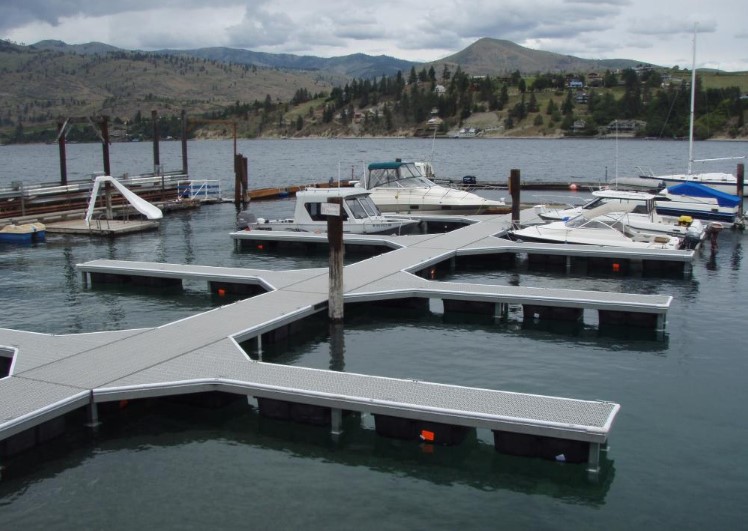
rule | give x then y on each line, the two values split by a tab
51	85
48	85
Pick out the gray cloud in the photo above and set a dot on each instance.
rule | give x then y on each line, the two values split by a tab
665	26
16	13
421	30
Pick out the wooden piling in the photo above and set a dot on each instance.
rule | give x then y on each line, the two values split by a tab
156	156
741	182
514	190
104	124
63	156
184	142
240	180
335	239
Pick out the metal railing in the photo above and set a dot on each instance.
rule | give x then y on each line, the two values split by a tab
202	190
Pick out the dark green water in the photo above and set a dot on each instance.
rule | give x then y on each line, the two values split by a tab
677	449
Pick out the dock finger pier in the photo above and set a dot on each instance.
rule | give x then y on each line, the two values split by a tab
52	379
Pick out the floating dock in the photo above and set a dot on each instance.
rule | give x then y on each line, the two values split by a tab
52	376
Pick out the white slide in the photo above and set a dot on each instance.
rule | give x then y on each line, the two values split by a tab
149	210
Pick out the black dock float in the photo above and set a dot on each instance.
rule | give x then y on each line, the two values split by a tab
556	313
420	430
134	280
526	445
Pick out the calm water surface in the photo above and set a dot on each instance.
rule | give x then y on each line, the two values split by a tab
676	451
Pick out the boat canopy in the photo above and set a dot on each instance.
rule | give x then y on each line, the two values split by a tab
396	174
385	165
699	190
607	208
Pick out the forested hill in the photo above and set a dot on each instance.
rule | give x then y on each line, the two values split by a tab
498	57
472	89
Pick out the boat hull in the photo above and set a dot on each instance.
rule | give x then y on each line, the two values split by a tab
27	236
447	201
729	186
726	215
374	227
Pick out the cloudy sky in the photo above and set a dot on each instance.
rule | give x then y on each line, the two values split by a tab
654	31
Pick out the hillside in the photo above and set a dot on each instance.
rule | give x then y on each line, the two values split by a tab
339	68
486	86
36	87
499	57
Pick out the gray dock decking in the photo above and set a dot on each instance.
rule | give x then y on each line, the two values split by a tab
54	374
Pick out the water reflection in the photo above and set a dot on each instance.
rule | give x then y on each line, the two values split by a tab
337	347
72	289
206	437
189	251
737	256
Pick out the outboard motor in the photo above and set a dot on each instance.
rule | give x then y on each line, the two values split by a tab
244	219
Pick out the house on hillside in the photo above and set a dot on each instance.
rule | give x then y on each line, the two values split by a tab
626	126
440	90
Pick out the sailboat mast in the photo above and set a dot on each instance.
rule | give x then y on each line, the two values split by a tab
693	104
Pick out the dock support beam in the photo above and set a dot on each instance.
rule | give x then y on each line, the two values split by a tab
93	414
336	422
593	460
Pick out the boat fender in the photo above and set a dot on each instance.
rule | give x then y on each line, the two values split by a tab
685	220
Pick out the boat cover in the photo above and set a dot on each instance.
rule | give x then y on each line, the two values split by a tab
700	190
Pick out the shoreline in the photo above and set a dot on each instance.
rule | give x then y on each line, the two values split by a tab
405	137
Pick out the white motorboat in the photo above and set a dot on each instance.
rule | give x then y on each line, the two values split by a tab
360	214
724	182
633	212
599	197
699	201
400	187
592	227
687	199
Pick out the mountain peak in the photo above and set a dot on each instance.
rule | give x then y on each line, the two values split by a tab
497	56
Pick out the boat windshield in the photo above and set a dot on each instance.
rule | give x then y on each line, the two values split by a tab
594	203
362	207
582	222
405	175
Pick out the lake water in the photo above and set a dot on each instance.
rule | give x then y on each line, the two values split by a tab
677	449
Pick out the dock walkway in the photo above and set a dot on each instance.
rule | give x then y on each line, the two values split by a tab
51	375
